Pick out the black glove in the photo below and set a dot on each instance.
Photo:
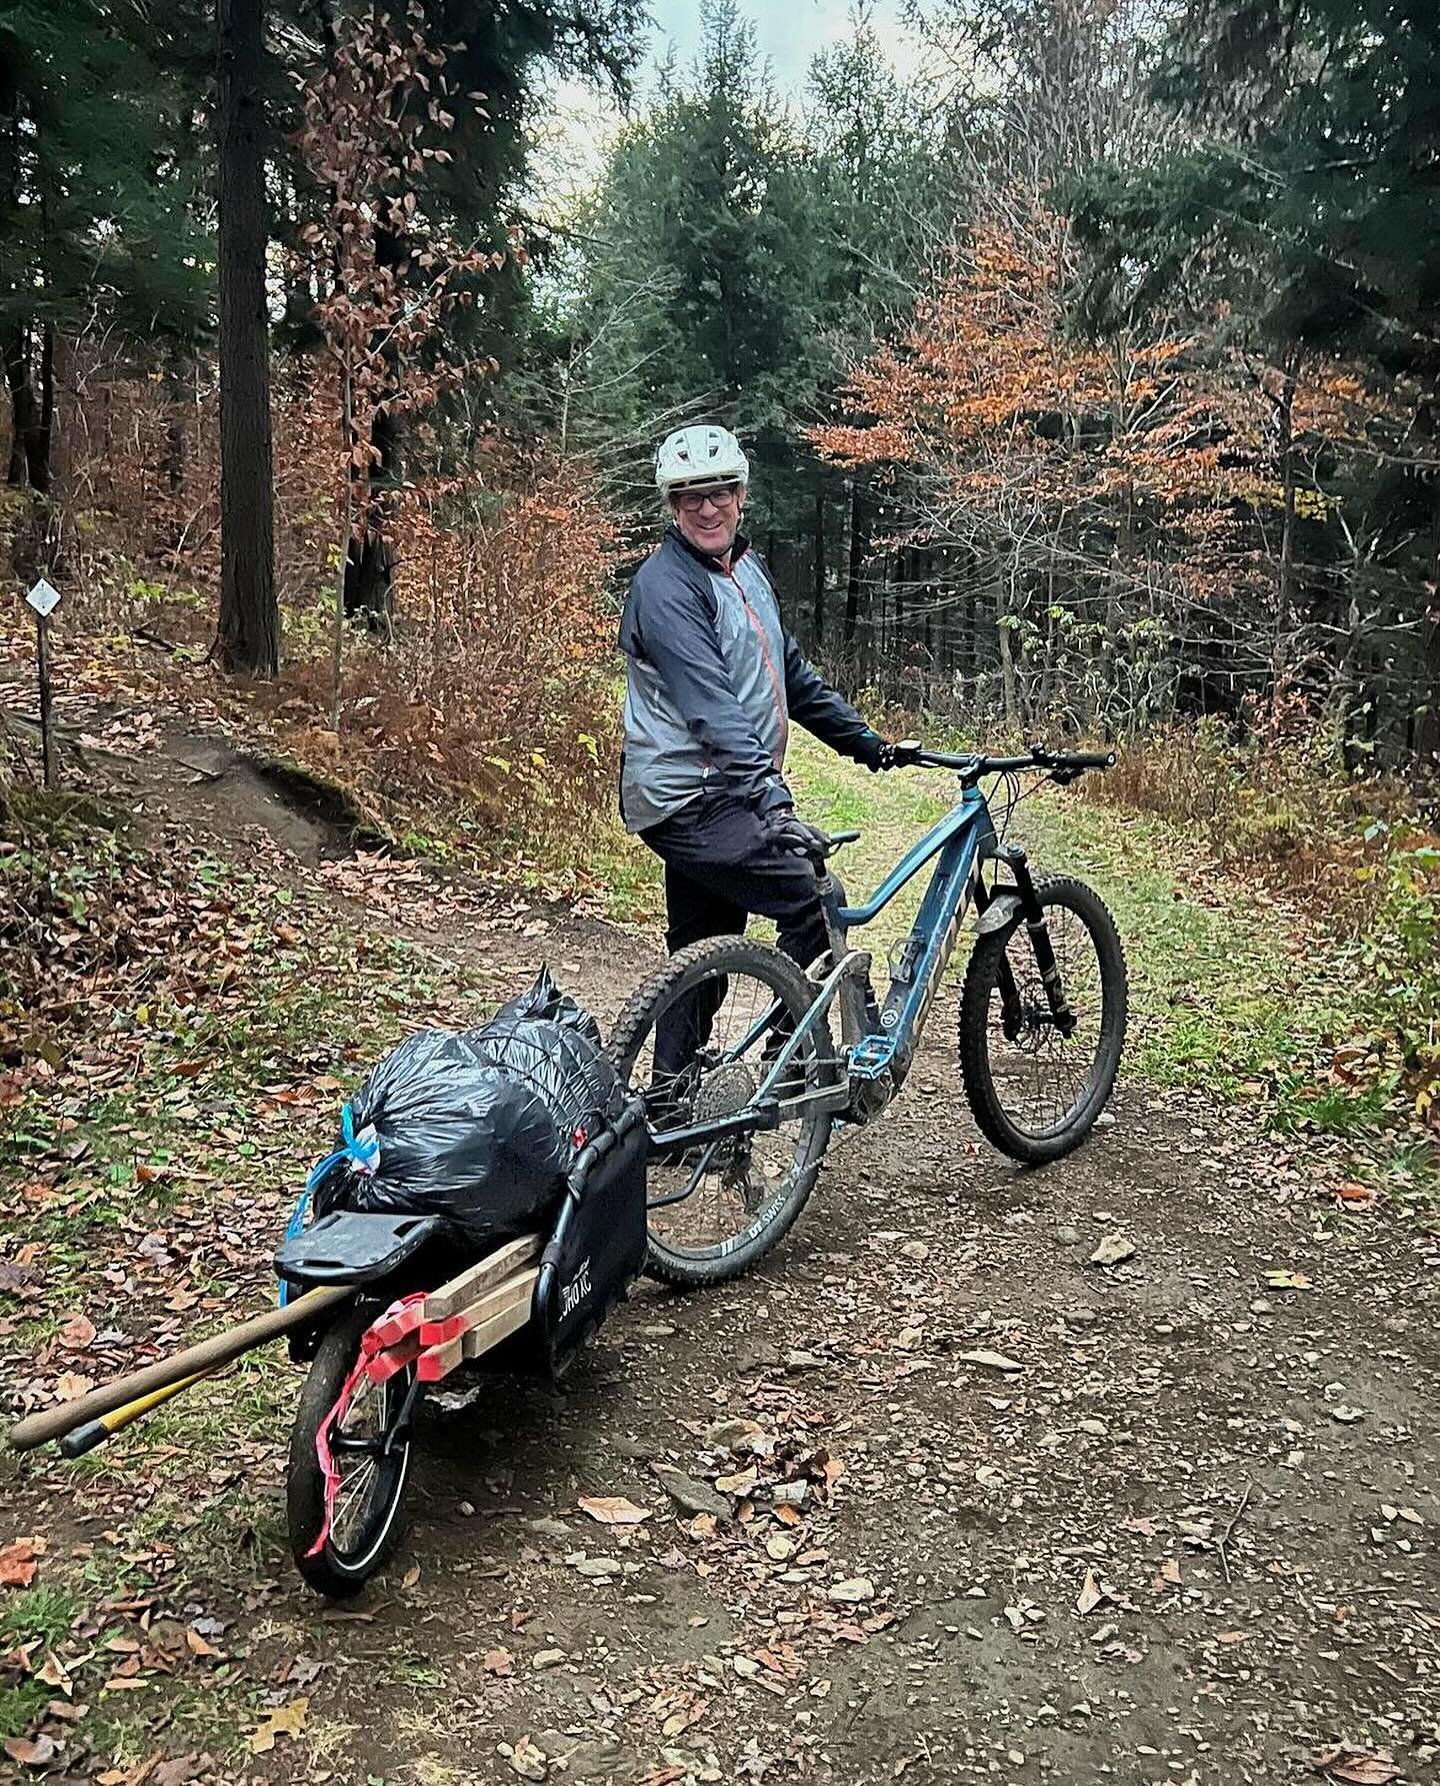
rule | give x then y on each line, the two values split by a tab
876	752
788	831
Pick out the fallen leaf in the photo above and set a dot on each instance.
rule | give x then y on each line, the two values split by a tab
411	1576
78	1334
1287	1280
70	1386
740	1483
179	1770
1091	1594
1356	1767
527	1759
197	1645
613	1510
52	1673
1355	1196
854	1592
17	1562
286	1720
498	1662
31	1751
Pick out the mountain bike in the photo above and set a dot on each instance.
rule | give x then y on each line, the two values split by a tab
733	1051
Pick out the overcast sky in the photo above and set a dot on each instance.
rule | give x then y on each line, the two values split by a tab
788	32
571	135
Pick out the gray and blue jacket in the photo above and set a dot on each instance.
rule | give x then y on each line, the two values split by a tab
713	681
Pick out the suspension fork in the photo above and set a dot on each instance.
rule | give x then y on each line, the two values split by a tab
983	898
1033	912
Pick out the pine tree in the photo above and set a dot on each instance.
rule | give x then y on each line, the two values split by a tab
97	181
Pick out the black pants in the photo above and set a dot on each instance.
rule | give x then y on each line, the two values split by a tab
720	867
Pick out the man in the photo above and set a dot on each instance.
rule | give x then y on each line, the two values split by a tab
713	681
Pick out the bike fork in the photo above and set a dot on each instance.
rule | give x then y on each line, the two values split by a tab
1033	913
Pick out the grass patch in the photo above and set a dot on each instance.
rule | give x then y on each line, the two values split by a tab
42	1613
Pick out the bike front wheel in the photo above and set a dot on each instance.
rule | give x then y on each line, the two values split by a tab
697	1041
1035	1091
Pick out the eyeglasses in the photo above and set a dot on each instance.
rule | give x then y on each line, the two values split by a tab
690	502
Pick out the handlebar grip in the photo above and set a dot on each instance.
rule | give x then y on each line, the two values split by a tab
1091	759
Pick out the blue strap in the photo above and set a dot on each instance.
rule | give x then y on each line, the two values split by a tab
293	1227
364	1150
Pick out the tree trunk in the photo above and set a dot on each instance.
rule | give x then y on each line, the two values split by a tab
347	529
819	594
1285	408
370	572
859	550
249	633
370	565
1009	689
30	452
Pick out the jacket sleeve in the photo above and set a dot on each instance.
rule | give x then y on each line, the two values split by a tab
822	709
671	624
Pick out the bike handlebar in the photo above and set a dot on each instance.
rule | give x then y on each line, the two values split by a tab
973	765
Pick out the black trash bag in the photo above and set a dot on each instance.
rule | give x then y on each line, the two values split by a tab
558	1063
545	999
480	1128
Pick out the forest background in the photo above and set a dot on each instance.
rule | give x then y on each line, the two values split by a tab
1087	362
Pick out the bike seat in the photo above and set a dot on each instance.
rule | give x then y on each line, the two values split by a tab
347	1248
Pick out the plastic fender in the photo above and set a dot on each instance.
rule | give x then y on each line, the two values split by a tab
1001	912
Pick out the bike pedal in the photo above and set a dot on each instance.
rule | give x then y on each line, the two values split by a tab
871	1057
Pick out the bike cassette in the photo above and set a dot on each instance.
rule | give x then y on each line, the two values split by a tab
871	1057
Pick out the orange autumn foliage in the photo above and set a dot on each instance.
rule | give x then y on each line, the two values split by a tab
987	402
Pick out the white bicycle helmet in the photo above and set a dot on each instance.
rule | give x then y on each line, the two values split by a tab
699	455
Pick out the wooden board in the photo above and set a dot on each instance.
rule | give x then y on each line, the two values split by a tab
491	1317
450	1298
519	1287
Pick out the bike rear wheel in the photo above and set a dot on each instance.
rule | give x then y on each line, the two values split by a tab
1035	1092
366	1523
721	1011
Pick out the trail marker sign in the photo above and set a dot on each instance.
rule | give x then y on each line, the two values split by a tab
44	598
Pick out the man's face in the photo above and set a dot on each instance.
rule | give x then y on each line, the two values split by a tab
709	519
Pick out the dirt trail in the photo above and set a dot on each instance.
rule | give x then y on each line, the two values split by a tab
1242	1475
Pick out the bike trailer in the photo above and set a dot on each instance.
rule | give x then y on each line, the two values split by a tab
597	1245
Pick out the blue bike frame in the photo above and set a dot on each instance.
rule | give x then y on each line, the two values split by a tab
961	841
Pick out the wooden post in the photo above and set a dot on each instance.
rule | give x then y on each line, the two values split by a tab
43	599
42	658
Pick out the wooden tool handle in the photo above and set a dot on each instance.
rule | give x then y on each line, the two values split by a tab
81	1439
194	1361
